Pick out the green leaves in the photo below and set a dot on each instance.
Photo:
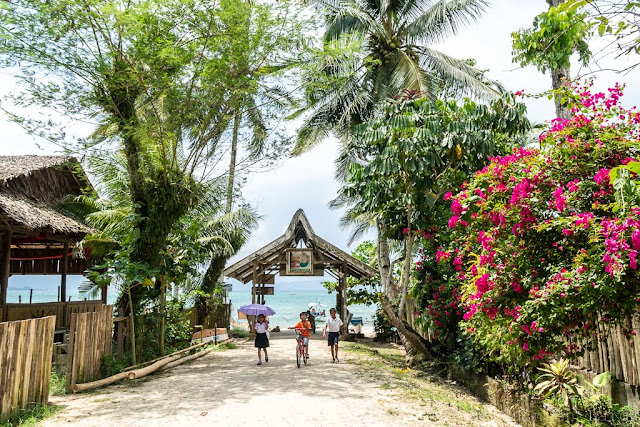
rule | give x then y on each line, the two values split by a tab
627	189
402	159
555	36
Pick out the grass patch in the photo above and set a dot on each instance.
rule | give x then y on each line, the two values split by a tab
387	366
239	333
58	383
224	346
29	417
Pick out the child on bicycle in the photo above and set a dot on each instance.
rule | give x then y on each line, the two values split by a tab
303	327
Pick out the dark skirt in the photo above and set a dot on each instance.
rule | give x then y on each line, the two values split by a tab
262	341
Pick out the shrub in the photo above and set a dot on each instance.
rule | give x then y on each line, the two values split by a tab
546	257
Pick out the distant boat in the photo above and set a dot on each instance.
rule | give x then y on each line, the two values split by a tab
317	310
292	293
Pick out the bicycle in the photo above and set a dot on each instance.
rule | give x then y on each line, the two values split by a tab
300	350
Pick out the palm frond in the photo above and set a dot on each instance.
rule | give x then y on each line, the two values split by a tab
461	76
443	19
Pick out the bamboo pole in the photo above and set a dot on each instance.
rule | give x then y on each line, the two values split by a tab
143	372
77	388
186	359
168	355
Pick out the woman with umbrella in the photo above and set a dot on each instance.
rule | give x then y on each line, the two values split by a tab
261	327
262	340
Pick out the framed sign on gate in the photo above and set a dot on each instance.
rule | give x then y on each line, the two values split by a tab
299	262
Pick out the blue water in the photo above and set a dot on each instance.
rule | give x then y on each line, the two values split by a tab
288	307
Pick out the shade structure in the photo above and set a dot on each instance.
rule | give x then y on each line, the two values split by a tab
256	309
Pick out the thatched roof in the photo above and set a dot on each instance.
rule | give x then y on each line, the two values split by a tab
299	229
15	166
30	188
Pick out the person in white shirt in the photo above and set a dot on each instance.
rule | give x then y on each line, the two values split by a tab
335	327
262	340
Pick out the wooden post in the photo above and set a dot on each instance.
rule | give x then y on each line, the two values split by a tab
343	290
63	272
104	293
120	341
253	296
30	296
5	265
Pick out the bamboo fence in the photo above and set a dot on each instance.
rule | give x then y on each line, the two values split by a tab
90	339
26	349
612	351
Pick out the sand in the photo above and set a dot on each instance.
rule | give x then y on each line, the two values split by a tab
227	389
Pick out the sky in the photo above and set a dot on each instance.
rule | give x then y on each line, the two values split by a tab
308	182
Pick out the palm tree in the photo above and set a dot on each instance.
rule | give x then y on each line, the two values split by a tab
375	49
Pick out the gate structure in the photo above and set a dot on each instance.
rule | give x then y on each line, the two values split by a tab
298	252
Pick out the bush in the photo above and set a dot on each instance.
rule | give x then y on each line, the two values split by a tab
383	328
599	411
57	387
239	333
547	253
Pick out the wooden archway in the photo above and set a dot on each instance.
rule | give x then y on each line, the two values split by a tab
261	267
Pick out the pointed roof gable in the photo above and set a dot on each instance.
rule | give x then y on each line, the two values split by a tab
299	229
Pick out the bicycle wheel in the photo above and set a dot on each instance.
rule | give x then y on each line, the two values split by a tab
298	355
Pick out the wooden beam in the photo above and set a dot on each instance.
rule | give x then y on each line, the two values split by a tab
343	290
5	266
63	272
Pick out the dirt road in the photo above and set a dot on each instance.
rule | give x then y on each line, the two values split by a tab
227	388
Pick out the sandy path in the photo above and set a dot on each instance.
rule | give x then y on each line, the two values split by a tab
228	389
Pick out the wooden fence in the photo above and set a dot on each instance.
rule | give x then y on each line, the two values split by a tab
613	351
61	310
90	338
220	317
616	353
26	348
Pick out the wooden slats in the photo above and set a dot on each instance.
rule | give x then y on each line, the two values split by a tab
62	310
25	363
90	339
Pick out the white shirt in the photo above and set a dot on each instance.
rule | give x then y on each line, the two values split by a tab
333	325
261	328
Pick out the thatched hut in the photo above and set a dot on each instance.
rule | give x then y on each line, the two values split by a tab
35	237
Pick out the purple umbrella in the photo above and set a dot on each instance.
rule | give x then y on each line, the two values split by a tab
256	309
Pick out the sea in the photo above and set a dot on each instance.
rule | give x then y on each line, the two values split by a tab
289	299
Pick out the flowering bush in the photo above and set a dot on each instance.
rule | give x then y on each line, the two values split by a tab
545	254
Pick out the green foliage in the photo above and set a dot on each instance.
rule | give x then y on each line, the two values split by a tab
410	155
383	328
599	411
614	19
111	365
627	189
57	386
556	35
239	333
374	51
29	417
544	256
557	378
360	291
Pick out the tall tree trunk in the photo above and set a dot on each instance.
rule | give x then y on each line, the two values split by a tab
559	77
413	342
163	313
232	162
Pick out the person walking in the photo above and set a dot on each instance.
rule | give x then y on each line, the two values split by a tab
335	327
262	340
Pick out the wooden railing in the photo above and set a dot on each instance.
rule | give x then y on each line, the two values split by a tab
62	311
26	348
